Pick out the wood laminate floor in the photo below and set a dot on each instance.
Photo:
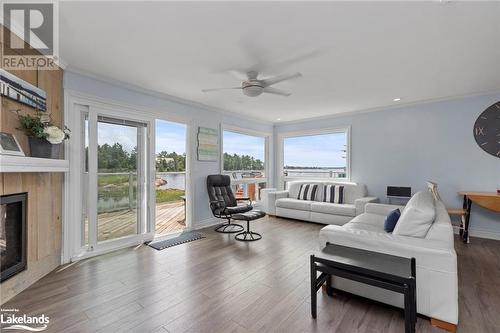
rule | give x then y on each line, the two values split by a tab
217	284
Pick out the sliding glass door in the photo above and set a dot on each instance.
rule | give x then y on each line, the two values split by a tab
118	178
114	177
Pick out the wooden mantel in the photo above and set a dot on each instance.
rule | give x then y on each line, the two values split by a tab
32	164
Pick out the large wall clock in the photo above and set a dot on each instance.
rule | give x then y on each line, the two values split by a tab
487	130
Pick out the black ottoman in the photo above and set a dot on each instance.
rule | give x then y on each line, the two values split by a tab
248	236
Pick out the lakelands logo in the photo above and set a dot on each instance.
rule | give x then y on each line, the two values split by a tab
10	319
30	35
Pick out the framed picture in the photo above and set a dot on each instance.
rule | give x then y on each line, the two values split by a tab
9	145
208	144
21	91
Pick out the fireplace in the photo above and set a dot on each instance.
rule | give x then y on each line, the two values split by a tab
12	235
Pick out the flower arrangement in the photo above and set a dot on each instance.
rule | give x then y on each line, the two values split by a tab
40	126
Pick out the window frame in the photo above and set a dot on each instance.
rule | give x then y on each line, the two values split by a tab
267	161
281	178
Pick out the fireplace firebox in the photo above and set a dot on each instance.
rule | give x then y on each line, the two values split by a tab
12	235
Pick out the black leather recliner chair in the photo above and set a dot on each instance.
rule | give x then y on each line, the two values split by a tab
224	204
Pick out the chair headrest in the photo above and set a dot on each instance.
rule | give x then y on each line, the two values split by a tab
218	180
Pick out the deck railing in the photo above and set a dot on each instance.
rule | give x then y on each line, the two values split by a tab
316	173
131	203
312	174
248	183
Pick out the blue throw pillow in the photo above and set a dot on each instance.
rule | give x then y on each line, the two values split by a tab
391	220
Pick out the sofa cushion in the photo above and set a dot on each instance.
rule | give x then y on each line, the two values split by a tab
367	221
308	192
333	194
292	203
391	220
417	217
333	209
352	191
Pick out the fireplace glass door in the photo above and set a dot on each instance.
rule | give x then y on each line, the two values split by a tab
12	235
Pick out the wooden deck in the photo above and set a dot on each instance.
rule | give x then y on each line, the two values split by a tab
170	217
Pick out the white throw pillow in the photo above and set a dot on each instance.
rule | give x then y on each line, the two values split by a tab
417	217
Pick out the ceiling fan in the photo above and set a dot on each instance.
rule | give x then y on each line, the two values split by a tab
253	87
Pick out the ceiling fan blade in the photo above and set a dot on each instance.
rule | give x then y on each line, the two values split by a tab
275	91
287	63
239	75
217	89
254	53
279	78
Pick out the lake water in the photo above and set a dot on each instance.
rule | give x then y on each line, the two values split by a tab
174	181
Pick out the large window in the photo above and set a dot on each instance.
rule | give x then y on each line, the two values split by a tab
170	181
322	155
244	160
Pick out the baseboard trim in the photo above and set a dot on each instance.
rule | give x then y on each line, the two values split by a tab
480	233
206	223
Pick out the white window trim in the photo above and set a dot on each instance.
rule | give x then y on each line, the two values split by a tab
281	151
267	159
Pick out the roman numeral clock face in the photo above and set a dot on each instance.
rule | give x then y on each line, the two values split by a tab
487	130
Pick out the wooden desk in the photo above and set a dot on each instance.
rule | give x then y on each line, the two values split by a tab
488	200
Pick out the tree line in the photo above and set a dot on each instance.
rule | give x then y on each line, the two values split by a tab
244	162
115	158
170	162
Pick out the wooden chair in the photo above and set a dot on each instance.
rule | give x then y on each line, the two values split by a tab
460	212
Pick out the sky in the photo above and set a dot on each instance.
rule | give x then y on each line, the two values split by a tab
170	137
323	150
241	144
111	133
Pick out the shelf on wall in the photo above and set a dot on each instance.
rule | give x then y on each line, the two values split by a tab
32	164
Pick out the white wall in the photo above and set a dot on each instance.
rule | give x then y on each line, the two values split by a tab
196	115
409	145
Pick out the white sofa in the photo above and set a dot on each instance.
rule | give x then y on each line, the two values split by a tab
286	204
436	260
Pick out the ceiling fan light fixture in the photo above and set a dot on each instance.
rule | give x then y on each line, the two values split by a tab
253	91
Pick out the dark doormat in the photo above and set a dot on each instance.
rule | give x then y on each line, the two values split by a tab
185	237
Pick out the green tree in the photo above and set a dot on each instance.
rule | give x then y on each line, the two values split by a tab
112	158
170	162
245	162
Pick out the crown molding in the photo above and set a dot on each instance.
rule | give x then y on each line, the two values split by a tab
388	107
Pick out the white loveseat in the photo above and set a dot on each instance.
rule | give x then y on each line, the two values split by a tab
286	204
436	260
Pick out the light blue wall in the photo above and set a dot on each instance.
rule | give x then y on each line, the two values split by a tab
198	116
409	145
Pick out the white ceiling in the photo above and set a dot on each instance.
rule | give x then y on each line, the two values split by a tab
366	53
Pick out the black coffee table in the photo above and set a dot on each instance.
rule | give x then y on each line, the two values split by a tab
372	268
